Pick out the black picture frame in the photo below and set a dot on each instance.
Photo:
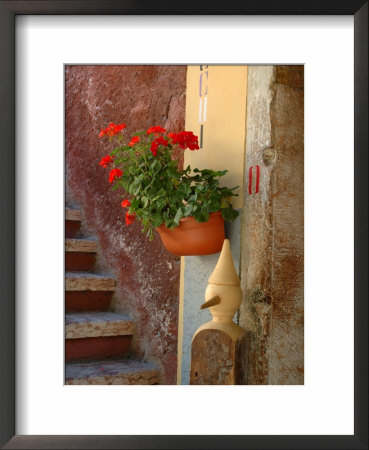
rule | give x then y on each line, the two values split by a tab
8	11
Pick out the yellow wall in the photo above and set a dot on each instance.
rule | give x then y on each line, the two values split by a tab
223	89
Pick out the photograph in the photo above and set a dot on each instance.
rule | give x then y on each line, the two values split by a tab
184	224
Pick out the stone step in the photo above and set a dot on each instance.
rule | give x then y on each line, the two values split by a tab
79	262
80	245
73	214
97	347
124	371
72	222
84	281
87	300
80	255
96	324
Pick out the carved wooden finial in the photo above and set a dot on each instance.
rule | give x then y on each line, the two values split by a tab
215	343
224	285
225	271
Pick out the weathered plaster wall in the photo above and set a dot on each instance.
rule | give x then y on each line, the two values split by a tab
272	249
147	275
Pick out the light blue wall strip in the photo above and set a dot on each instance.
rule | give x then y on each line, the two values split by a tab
197	272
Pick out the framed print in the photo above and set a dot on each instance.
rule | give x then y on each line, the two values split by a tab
40	43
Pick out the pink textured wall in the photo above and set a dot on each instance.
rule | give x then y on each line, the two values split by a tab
147	275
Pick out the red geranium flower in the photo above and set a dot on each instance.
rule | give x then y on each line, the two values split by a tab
112	129
125	203
155	144
119	127
106	160
130	218
156	130
154	148
134	141
115	173
185	139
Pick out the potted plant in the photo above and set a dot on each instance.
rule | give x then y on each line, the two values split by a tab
186	207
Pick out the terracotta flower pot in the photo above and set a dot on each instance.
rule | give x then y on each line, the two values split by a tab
194	238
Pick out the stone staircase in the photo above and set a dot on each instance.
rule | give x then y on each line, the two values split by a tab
97	341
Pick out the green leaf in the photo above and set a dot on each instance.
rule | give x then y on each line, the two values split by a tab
160	203
173	173
188	210
136	190
194	197
229	214
158	220
202	216
135	203
178	216
159	194
145	201
155	165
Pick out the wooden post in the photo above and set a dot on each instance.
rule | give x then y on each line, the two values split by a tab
217	344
